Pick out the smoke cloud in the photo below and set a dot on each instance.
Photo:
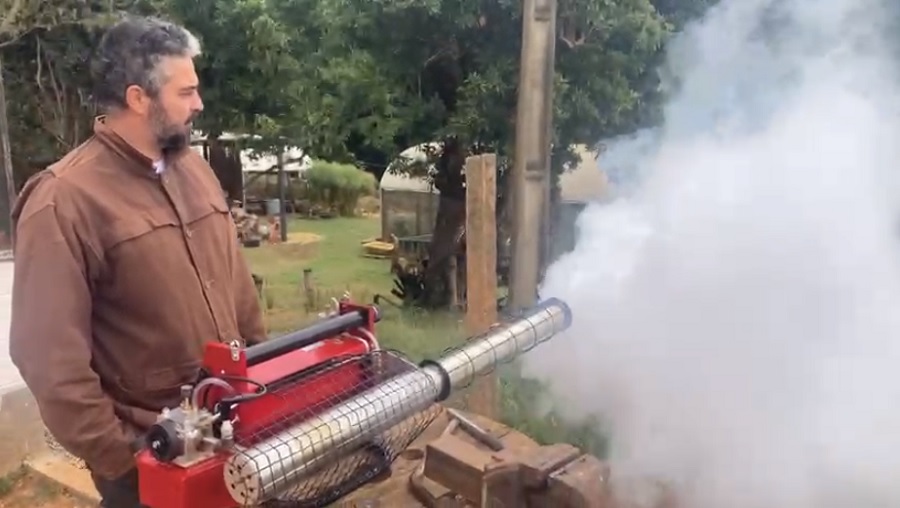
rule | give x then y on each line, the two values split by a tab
737	311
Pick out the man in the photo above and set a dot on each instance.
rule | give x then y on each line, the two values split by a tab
127	260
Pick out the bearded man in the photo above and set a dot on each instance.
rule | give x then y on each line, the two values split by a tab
126	260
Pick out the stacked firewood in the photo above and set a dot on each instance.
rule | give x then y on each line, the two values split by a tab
249	228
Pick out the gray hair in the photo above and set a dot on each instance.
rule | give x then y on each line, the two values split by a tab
130	53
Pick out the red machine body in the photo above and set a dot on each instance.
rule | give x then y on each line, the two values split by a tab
201	484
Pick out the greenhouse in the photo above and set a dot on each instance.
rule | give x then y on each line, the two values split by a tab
409	204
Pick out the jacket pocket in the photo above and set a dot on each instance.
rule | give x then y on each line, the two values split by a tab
139	225
158	388
193	212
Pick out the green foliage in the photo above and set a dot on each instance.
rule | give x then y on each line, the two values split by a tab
522	398
394	74
352	81
20	18
338	186
251	70
46	47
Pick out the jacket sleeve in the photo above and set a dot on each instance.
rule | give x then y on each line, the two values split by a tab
251	324
50	342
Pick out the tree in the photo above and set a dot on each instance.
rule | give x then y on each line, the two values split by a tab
46	56
30	74
360	80
250	75
247	70
396	73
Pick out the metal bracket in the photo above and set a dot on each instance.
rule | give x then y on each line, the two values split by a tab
543	10
534	170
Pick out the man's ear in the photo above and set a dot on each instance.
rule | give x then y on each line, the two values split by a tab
137	99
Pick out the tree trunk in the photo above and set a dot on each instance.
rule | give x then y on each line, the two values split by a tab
226	164
8	180
449	224
444	244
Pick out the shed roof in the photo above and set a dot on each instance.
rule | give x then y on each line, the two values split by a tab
295	161
392	180
400	182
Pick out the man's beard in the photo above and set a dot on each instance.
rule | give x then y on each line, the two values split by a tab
170	137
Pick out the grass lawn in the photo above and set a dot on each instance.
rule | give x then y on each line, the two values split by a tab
338	266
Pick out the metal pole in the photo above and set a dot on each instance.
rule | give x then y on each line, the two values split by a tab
531	169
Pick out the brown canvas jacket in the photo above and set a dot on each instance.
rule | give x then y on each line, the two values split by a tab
121	276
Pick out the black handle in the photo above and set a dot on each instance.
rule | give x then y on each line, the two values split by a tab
316	332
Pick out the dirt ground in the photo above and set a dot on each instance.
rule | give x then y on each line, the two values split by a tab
22	490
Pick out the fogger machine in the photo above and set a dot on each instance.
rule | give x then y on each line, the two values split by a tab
304	419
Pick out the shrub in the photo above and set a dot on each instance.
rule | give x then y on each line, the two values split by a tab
338	186
370	205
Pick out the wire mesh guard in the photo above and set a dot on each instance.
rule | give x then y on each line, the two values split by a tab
503	343
376	405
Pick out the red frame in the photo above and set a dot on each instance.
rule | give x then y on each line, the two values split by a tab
202	485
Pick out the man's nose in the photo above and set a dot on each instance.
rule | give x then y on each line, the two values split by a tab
198	104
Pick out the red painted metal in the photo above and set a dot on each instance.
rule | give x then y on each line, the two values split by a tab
201	485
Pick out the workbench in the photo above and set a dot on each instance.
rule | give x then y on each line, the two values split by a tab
576	480
393	491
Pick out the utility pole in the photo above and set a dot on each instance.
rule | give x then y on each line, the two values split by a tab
531	167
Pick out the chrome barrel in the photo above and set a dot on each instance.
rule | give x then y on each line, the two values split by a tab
501	344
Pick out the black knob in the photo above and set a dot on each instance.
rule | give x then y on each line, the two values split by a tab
163	442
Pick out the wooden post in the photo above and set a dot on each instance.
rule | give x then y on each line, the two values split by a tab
454	290
309	290
383	211
481	268
282	196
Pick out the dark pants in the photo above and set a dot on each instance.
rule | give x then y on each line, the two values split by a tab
119	493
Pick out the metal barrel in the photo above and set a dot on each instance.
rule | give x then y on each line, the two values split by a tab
263	471
271	467
480	355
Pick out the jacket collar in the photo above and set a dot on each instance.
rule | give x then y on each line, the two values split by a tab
142	163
